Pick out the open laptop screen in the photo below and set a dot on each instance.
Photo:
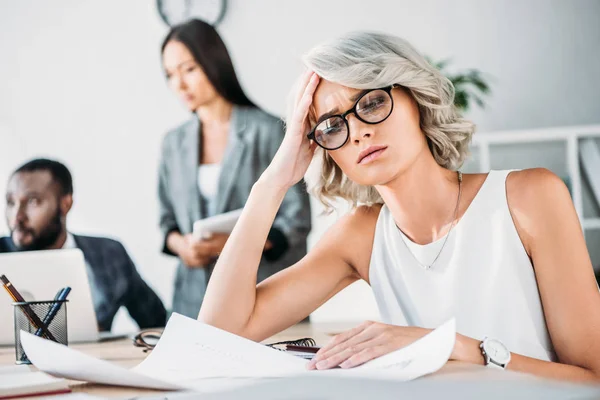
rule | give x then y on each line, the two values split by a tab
38	276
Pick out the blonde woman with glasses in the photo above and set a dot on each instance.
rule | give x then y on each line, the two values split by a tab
503	252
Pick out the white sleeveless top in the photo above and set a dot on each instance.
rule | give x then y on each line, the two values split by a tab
483	277
208	184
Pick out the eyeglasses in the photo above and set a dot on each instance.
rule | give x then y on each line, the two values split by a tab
373	107
147	339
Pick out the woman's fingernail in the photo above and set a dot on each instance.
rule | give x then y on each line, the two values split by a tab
345	364
322	364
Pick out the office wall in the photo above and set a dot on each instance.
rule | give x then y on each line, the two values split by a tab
80	80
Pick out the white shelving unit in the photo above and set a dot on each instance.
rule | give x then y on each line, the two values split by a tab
483	144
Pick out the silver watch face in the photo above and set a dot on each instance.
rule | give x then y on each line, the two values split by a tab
496	351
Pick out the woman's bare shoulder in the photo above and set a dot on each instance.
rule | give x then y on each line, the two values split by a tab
354	234
535	189
535	196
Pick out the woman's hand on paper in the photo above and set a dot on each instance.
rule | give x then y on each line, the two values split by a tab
295	152
364	343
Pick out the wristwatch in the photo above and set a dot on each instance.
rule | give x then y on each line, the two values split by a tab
495	354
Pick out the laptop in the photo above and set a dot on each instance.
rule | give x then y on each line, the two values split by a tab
38	276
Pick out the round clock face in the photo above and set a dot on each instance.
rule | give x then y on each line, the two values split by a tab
174	12
497	351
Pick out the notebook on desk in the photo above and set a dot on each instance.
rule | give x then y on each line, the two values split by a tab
304	348
22	380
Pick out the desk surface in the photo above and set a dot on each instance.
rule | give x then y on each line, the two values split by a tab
122	352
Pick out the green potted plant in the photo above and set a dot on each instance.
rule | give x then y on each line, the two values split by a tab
469	86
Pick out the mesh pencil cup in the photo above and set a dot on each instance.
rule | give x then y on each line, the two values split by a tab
52	314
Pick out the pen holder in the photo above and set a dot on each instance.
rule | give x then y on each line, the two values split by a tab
52	314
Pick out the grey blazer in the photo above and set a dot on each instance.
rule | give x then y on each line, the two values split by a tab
254	137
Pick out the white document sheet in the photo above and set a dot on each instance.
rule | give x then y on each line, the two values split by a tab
221	223
189	349
197	356
62	361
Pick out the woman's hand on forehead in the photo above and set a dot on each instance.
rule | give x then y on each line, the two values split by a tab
295	152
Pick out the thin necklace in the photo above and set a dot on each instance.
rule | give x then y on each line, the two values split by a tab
447	235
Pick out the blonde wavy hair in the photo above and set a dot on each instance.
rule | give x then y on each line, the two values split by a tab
366	60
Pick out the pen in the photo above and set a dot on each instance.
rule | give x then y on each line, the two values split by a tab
58	294
31	316
62	295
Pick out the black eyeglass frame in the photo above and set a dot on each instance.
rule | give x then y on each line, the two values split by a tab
139	340
387	89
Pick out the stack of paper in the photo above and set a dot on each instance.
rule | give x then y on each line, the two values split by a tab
196	356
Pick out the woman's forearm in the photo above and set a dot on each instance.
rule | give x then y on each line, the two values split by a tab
230	299
231	293
467	350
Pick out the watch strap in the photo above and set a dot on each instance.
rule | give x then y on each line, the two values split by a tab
492	364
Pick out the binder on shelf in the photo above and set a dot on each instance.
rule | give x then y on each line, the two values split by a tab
589	155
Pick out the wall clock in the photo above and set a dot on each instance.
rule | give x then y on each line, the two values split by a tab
174	12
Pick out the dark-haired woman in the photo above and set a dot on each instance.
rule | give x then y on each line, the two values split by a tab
210	163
